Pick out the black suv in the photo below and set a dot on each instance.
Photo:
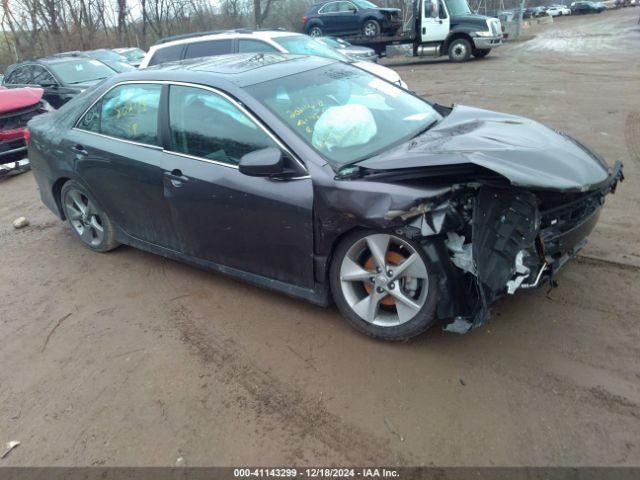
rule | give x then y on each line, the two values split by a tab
62	78
349	17
578	8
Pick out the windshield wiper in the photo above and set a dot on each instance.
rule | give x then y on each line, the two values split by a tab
89	80
420	132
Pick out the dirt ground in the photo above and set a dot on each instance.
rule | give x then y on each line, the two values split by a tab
131	359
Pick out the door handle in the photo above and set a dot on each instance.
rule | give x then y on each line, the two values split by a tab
79	150
176	178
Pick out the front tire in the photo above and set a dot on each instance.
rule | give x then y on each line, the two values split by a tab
459	50
89	223
384	285
371	29
481	53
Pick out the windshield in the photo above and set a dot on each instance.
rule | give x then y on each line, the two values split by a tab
345	113
332	42
81	70
458	7
364	4
106	55
134	54
303	45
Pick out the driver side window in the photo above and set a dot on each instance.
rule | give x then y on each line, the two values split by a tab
204	124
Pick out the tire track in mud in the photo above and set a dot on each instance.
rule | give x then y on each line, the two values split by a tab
632	135
265	395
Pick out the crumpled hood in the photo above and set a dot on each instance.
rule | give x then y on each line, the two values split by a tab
525	152
16	98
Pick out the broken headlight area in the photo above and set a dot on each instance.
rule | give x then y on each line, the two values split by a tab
501	239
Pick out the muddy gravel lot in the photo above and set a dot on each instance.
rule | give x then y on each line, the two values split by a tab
127	358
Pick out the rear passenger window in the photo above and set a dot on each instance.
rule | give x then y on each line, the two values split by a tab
167	54
255	46
129	112
206	125
208	48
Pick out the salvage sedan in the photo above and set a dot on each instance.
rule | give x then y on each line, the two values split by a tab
317	179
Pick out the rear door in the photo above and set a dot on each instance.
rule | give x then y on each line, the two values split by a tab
118	155
258	225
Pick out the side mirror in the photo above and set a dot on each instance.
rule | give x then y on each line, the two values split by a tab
262	163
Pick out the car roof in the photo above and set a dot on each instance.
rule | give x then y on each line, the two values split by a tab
221	35
239	69
54	59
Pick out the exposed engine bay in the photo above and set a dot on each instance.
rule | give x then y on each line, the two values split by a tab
504	238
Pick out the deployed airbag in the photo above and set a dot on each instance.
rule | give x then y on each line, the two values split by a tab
344	126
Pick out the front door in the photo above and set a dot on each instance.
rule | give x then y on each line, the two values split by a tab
258	225
348	18
435	21
118	156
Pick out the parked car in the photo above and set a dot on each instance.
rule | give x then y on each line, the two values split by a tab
558	10
580	8
109	58
132	55
354	51
17	107
347	17
249	41
539	11
62	78
283	170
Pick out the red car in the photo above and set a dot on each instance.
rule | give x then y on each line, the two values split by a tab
17	107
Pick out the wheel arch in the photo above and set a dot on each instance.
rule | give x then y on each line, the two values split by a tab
56	190
451	299
454	36
316	22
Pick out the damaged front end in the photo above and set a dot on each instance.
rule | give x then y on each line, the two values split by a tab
499	238
517	238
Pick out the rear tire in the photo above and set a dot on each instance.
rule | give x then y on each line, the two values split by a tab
481	53
88	222
396	305
315	31
459	50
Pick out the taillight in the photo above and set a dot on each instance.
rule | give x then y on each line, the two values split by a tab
27	136
305	19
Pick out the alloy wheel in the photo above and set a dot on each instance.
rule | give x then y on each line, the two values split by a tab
370	29
315	32
384	280
84	218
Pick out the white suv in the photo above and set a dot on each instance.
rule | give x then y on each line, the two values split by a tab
250	41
